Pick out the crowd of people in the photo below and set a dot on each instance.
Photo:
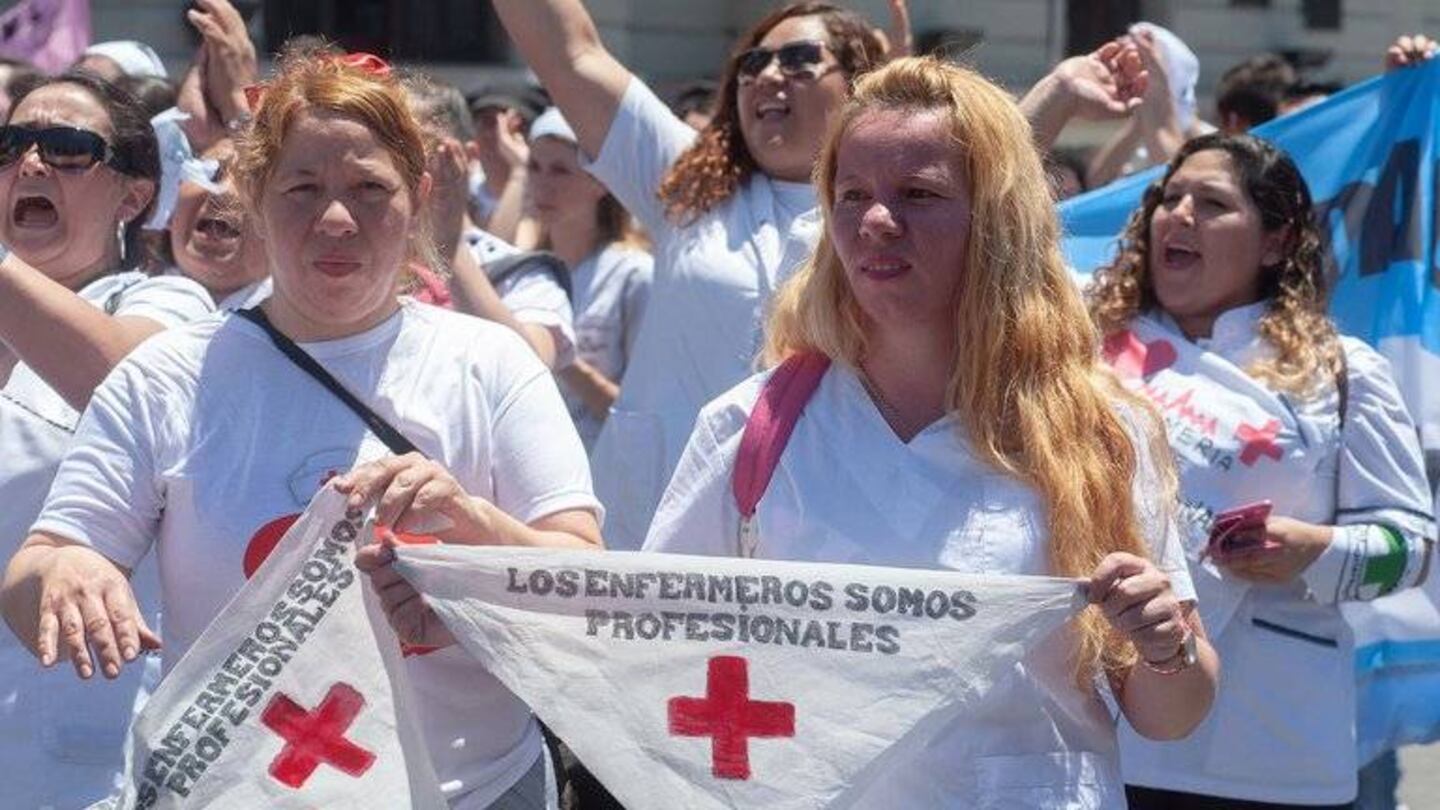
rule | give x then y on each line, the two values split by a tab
543	316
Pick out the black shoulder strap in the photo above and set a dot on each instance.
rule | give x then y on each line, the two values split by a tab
532	261
114	299
394	439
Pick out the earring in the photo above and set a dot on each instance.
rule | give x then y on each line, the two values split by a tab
120	240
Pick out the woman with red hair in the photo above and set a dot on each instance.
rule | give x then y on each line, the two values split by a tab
208	437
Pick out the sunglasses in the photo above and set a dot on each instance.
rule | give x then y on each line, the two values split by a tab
798	60
66	149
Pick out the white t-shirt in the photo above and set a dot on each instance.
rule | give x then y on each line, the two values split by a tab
610	289
482	202
248	296
713	281
1282	728
532	297
847	490
62	741
208	434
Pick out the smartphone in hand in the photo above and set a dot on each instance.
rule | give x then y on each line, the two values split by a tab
1239	531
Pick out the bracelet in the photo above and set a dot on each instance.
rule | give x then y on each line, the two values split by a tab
1186	655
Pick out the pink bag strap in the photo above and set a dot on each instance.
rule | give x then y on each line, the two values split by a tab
767	431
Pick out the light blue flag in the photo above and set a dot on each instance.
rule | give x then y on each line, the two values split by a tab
1369	156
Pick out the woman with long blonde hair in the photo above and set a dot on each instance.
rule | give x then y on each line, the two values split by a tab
1300	470
730	210
964	422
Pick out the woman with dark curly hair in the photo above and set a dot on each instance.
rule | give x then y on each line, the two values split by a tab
1299	467
730	209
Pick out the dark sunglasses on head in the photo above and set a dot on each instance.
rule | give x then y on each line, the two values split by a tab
797	59
63	148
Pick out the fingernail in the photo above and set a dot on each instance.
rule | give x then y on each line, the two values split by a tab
46	659
129	653
112	670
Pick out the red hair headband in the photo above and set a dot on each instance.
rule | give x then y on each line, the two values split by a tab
364	62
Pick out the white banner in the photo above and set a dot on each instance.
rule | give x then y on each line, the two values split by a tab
293	697
703	682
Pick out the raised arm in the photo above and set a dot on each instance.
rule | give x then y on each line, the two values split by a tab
1108	83
213	90
68	342
559	41
901	37
1409	50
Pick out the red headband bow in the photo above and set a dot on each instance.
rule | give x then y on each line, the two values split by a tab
368	62
364	62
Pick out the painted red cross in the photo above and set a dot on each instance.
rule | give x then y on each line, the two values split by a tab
729	717
1259	442
312	738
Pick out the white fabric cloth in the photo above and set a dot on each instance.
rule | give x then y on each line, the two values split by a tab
248	296
847	490
207	441
1182	67
482	202
532	297
713	281
304	642
1282	727
62	742
651	666
611	289
178	164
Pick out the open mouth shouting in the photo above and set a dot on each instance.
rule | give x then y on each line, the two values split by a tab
215	235
1179	256
772	110
34	212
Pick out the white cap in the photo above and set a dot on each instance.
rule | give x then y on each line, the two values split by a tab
135	59
551	124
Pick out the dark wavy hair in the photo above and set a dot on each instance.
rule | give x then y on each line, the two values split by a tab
134	150
710	171
1307	348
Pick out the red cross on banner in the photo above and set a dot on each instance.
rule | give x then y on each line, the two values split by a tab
727	715
1259	442
313	738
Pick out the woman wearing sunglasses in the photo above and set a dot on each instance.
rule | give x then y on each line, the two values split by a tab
78	168
730	209
209	440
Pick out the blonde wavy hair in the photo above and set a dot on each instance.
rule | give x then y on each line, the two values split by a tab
1307	349
1031	396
